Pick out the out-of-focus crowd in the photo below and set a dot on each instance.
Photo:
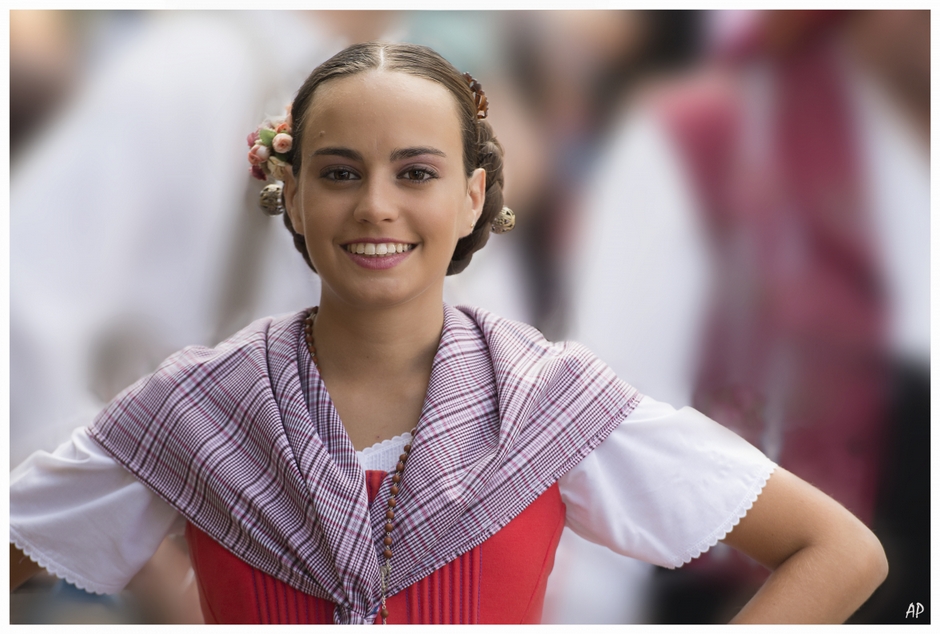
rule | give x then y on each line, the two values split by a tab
731	208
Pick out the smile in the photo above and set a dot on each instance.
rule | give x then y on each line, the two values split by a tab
377	250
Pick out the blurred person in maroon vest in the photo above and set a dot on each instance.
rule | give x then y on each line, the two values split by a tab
815	343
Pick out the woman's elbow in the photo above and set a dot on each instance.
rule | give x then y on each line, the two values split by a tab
876	562
866	561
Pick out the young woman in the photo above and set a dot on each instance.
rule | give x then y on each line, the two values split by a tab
386	457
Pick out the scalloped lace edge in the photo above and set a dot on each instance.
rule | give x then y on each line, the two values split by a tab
379	446
59	571
733	520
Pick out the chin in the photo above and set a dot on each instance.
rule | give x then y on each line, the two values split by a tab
377	294
366	298
358	287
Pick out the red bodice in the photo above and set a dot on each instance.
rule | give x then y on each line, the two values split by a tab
500	581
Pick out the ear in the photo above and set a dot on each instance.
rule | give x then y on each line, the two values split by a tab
290	201
476	194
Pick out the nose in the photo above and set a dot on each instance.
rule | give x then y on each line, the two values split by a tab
377	202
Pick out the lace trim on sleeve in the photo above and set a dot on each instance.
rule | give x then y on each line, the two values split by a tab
59	571
734	518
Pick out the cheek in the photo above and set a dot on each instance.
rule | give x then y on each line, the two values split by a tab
448	222
318	211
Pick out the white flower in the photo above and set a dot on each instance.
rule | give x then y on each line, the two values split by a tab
258	154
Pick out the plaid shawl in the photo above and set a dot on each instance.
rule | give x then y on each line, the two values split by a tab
244	441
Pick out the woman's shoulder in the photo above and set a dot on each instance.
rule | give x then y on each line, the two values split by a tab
522	356
265	329
517	338
488	321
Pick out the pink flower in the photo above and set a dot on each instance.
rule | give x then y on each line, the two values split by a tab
252	138
282	127
258	173
282	143
258	154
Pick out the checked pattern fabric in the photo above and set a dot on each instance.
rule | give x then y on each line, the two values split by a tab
243	440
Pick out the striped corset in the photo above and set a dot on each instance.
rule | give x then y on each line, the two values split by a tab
500	581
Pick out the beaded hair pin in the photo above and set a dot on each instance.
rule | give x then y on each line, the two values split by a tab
479	97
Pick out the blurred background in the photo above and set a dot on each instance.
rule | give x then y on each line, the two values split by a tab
731	208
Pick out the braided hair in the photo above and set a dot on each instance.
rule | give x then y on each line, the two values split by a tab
481	149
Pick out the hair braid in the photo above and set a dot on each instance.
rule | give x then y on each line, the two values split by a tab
300	243
489	156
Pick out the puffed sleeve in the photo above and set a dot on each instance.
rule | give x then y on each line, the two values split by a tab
665	486
84	518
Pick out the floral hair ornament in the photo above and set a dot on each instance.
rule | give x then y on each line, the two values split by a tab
267	153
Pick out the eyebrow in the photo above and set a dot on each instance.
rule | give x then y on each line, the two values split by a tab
411	152
339	151
396	155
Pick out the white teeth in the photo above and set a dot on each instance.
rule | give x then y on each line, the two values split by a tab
370	248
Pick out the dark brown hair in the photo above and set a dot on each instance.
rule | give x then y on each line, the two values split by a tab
480	147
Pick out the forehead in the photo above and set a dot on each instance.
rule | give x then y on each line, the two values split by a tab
382	107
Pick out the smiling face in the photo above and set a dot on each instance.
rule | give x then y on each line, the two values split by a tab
382	169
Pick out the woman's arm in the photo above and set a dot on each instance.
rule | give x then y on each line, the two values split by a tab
21	568
825	562
86	518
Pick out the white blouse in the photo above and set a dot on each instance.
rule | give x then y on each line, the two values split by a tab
664	487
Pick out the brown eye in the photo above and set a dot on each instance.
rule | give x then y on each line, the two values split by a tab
340	174
419	174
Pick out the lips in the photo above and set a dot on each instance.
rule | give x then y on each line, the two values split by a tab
378	253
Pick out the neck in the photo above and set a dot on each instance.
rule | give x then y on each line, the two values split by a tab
378	344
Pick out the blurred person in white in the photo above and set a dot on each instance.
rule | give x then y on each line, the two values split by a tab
477	41
43	67
570	69
134	224
758	243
